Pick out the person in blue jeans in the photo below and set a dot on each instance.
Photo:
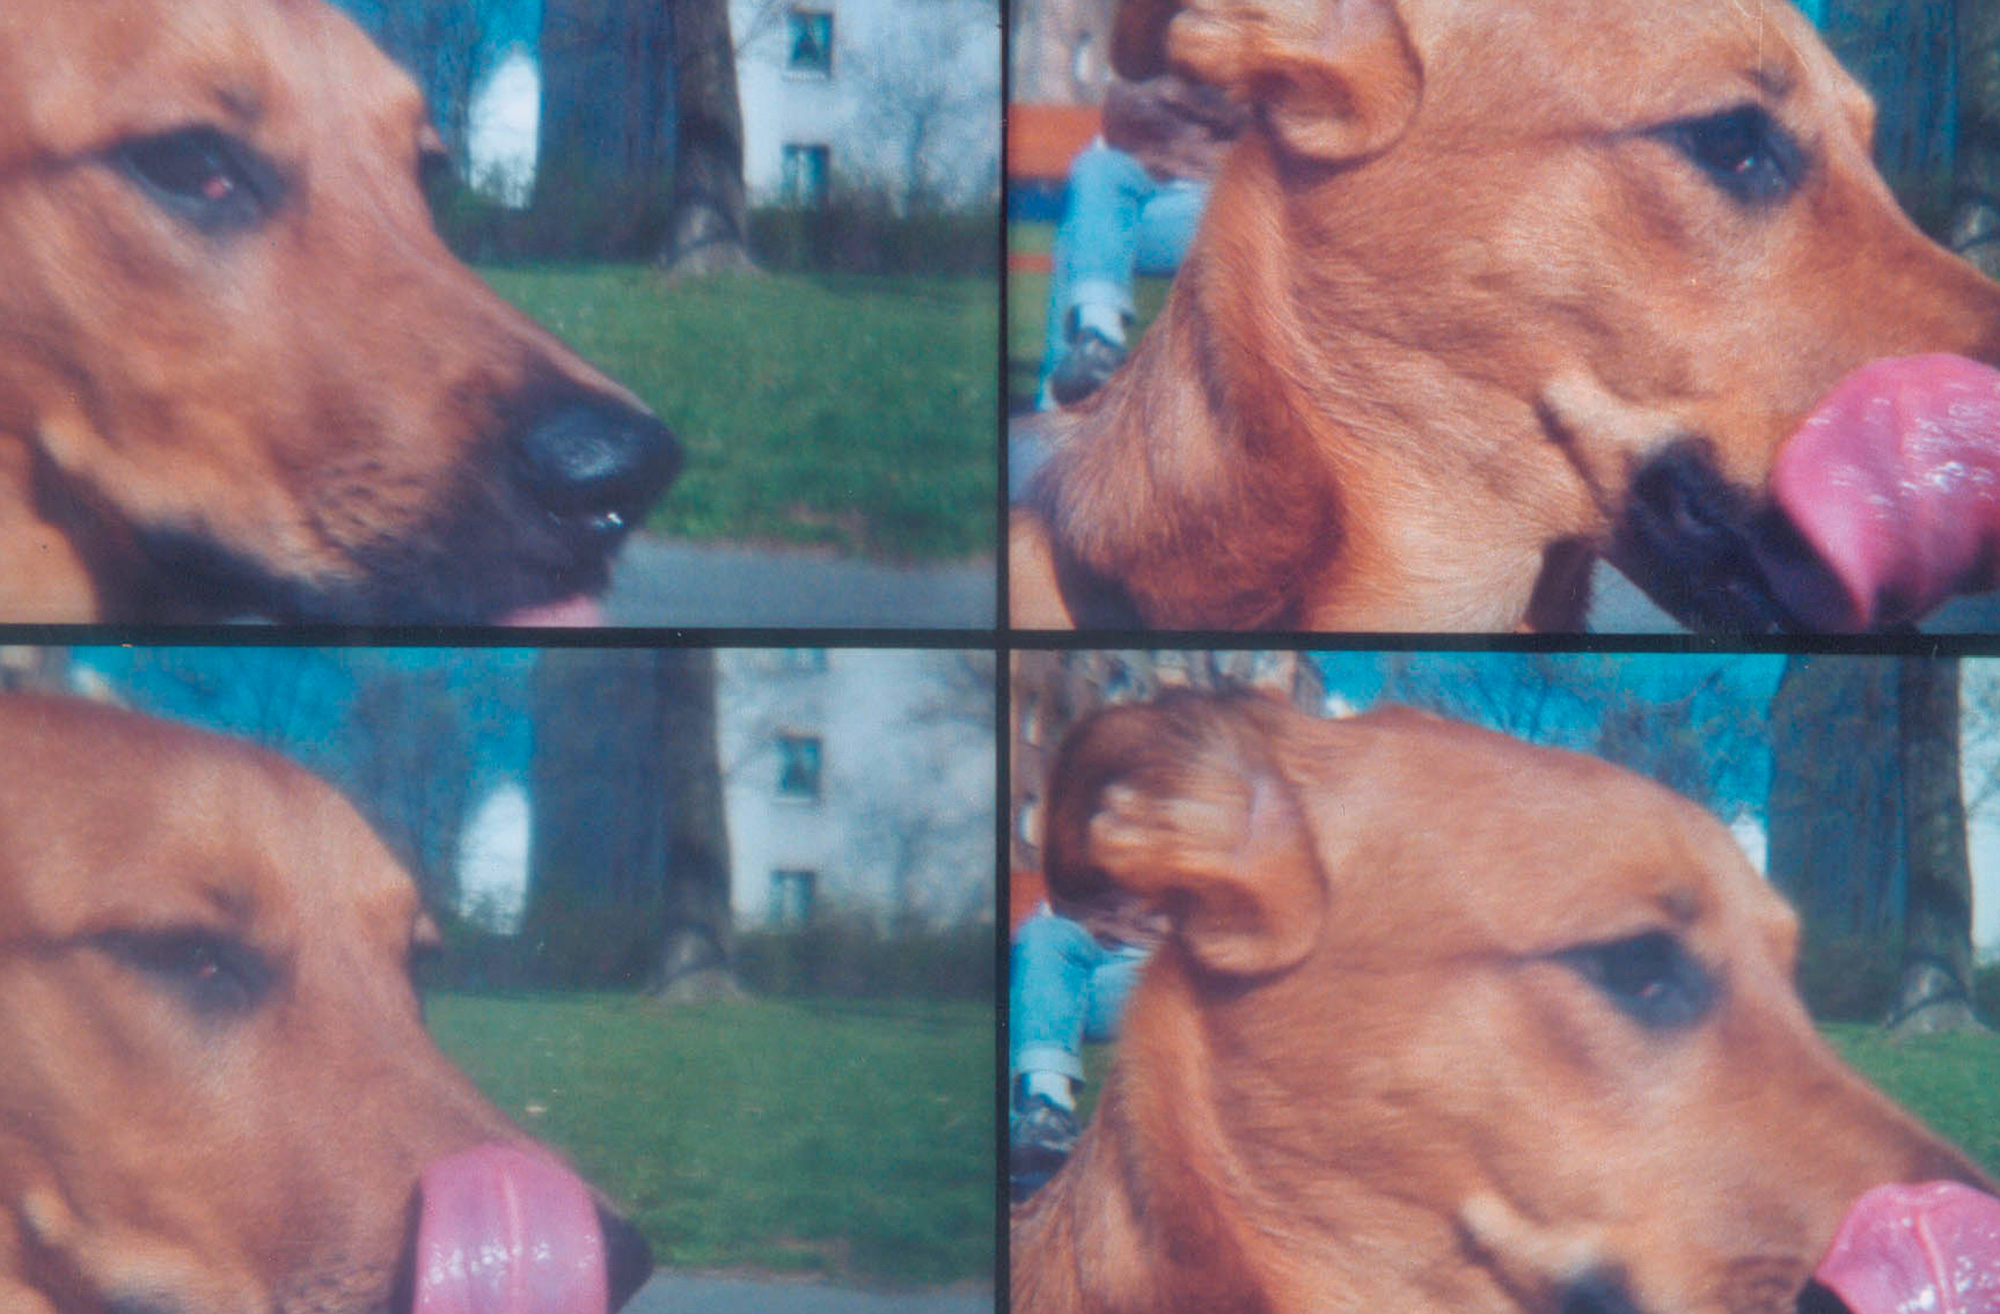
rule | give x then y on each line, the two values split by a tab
1134	199
1066	987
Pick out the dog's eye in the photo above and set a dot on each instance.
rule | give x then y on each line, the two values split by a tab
1650	977
214	976
1743	151
207	178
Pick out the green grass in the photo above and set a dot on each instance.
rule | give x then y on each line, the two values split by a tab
1948	1081
851	412
851	1142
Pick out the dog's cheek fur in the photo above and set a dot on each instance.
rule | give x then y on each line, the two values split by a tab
94	1193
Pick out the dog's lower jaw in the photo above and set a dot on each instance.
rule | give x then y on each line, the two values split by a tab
45	576
1705	550
481	560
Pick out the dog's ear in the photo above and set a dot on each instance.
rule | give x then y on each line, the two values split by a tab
1139	38
1336	80
1181	803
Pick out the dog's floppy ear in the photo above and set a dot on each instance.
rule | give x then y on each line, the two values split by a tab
1181	802
1139	38
1336	80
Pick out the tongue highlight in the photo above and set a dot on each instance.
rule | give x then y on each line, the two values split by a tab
1894	480
505	1229
1931	1249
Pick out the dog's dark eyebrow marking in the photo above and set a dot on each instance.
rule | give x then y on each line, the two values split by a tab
1681	904
1773	80
242	103
233	902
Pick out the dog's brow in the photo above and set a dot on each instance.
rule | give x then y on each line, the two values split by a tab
1774	80
240	102
1681	903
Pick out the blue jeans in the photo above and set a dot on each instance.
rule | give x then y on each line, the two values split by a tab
1064	988
1118	222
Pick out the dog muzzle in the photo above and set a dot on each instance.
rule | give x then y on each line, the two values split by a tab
1931	1249
505	1229
1893	483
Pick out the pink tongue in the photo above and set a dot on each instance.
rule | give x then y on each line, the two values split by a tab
505	1229
1933	1249
564	613
1895	481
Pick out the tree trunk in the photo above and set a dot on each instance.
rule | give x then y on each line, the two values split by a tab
1934	993
606	130
1902	52
708	225
697	944
630	852
445	46
1835	841
1975	218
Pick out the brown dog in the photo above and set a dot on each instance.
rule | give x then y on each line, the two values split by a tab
240	374
216	1092
1446	1022
1492	289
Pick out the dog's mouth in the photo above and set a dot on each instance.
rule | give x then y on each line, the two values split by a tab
1927	1249
1885	503
505	1229
191	578
1930	1249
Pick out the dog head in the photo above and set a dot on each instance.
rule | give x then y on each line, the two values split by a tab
240	373
1604	266
216	1092
1448	1021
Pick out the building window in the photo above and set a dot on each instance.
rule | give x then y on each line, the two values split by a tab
792	897
809	42
798	766
806	168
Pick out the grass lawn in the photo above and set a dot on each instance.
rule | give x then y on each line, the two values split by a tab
854	412
853	1142
1948	1081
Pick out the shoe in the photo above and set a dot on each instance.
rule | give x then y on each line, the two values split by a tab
1039	1140
1088	360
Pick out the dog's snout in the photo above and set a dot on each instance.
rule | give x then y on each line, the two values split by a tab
628	1260
1598	1292
595	461
1816	1299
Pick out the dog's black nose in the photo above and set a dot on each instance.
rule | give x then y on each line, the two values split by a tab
595	462
628	1260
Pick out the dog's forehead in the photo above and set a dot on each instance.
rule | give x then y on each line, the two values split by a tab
115	69
1489	827
176	828
1615	64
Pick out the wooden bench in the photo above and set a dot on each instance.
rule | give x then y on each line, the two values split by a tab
1042	139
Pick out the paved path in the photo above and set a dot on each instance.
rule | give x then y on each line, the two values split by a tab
1618	607
661	582
673	1293
670	583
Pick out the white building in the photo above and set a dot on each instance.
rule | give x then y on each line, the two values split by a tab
898	96
858	783
902	96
